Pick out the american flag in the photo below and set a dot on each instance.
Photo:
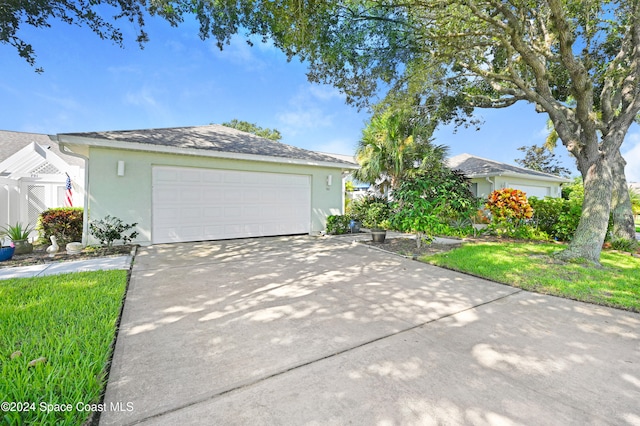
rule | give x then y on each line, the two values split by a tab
68	201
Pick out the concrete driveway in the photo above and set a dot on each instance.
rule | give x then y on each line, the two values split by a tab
302	330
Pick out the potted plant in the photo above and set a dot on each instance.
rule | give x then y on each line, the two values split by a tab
377	220
20	237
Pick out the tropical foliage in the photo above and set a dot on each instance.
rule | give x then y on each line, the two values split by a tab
394	144
428	202
510	210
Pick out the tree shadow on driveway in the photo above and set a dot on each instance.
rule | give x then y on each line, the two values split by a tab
298	330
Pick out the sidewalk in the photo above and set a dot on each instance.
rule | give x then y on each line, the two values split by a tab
97	264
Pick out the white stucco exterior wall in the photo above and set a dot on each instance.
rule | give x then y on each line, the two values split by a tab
129	197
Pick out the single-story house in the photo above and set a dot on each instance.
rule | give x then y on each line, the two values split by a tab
488	175
33	177
206	183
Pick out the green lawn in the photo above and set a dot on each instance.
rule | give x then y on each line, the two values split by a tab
70	321
531	267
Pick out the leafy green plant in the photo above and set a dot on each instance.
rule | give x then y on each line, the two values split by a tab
338	224
377	216
623	244
431	199
17	232
111	229
63	222
358	208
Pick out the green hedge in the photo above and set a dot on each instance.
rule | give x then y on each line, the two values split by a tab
338	224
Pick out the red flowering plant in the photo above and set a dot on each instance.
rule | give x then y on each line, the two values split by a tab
509	209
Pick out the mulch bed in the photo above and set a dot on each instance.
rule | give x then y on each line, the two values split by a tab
408	247
40	256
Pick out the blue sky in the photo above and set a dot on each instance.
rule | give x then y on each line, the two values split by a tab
179	80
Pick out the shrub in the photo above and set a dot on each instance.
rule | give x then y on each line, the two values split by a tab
431	199
338	224
624	245
358	208
63	222
509	204
509	210
377	215
110	229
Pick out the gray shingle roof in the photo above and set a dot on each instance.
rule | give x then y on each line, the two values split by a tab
12	142
473	166
213	137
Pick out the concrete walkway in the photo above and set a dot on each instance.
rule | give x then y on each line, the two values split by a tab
301	330
97	264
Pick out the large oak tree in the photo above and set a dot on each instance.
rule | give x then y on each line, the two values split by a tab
487	53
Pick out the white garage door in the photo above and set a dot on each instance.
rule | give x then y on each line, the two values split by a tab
191	204
531	190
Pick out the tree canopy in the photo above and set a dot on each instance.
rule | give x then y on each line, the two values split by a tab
540	158
263	132
92	13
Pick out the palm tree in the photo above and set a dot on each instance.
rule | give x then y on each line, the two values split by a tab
394	144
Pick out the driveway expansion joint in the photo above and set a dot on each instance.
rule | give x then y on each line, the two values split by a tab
323	358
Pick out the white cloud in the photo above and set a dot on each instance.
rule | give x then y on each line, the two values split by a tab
325	93
631	153
142	97
308	110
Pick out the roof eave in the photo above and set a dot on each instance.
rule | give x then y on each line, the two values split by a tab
136	146
555	179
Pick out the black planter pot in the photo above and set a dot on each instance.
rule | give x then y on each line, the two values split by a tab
378	235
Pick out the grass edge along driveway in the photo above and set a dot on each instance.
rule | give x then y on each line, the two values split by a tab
66	325
532	267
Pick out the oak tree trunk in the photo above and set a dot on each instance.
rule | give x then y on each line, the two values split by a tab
623	225
592	228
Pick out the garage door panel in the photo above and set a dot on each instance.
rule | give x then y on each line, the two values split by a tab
533	190
190	176
168	214
213	212
212	195
190	195
166	175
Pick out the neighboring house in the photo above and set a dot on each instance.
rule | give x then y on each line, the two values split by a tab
488	175
33	175
206	183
